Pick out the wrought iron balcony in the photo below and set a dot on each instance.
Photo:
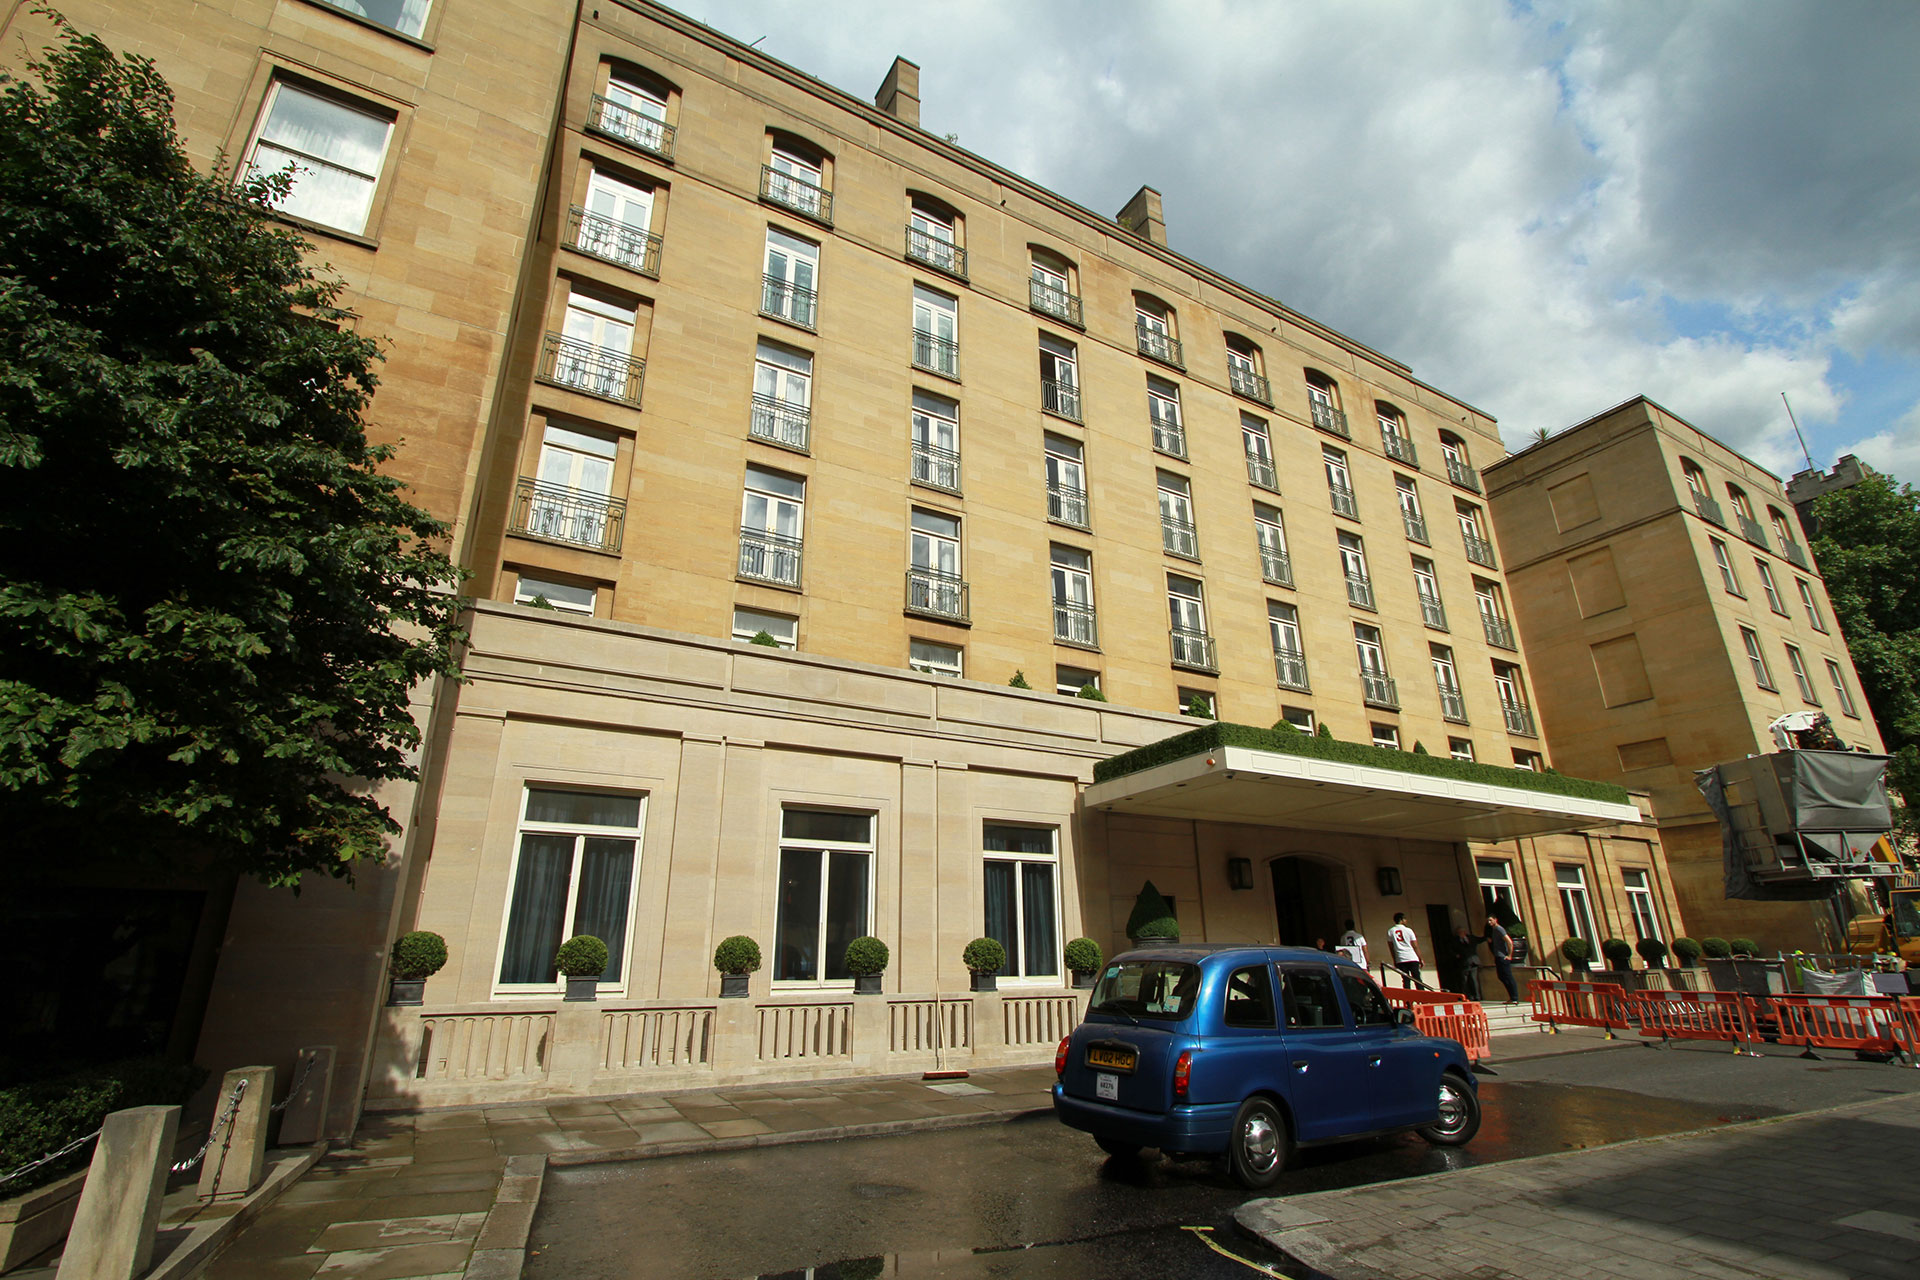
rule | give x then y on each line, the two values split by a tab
1170	438
936	354
935	466
787	301
1074	624
618	242
1062	398
1328	418
1399	448
1178	537
941	255
769	557
1290	669
1068	506
1156	345
808	199
1462	474
780	422
598	371
573	516
1379	691
1452	705
1058	303
936	594
1753	532
1193	649
1276	567
1479	550
1416	527
1499	632
1245	382
1360	591
1343	501
1796	553
1260	471
1708	508
1519	717
617	120
1433	613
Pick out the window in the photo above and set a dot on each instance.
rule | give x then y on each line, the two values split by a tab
826	868
931	659
1426	585
1496	888
1323	403
1188	697
1702	495
1271	535
1453	704
1720	558
1774	602
613	224
1646	922
1310	1000
1376	685
1050	288
1187	612
1742	507
1761	676
1259	447
932	238
635	113
936	319
1069	681
1023	909
1353	562
1154	332
1163	410
1073	596
1387	736
573	873
1289	656
1300	718
1493	614
1411	517
771	519
1339	483
785	629
1799	668
797	181
936	442
1459	469
1813	610
1243	370
1781	529
1370	1008
1394	438
792	276
408	17
934	584
1177	534
1248	997
1840	688
1513	699
1059	377
782	396
1572	883
593	352
1066	482
1479	548
336	151
571	501
1460	748
562	596
1528	760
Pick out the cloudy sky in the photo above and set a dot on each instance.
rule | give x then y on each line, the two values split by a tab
1544	208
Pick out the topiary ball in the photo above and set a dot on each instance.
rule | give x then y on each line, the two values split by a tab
1577	950
419	954
1652	950
1687	950
984	955
1715	948
582	957
1083	955
1744	946
737	955
1617	952
866	957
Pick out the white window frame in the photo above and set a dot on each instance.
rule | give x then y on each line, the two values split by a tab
1496	877
1641	907
795	264
1258	443
1446	677
1070	571
1283	630
1461	749
349	215
934	429
869	848
1186	604
1727	579
1813	610
1179	534
1020	859
1066	477
1184	695
1335	462
1370	646
1797	664
1301	718
1065	688
581	833
932	658
784	628
409	20
1327	393
1270	535
572	462
1762	674
1386	736
936	316
1840	688
1426	582
1774	602
1163	412
562	596
807	186
1576	905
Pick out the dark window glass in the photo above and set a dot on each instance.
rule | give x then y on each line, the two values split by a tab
999	879
583	808
1004	839
821	824
846	907
606	875
539	908
1311	1002
799	930
1160	989
1036	888
1249	994
1370	1008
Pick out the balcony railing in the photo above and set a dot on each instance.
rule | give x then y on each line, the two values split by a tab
936	594
1058	303
1796	553
1276	567
1245	382
598	371
1290	669
629	246
1462	474
1156	345
1074	624
1068	506
1170	438
935	466
1452	705
1499	632
780	422
617	120
1519	717
1752	531
1328	418
1178	537
1399	448
1360	591
1416	527
1433	613
573	516
936	354
1260	471
1192	649
1062	398
1708	508
769	557
788	301
1379	691
808	199
1479	550
1343	501
941	255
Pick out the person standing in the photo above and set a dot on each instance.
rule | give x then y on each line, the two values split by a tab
1405	948
1353	945
1500	943
1466	961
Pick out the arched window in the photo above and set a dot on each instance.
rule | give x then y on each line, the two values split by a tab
1157	330
1394	437
1323	403
798	177
1246	370
635	107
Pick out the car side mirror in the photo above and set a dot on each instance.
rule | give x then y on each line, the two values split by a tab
1403	1017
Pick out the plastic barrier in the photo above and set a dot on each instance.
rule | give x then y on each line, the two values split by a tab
1908	1027
1578	1004
1695	1015
1450	1016
1865	1024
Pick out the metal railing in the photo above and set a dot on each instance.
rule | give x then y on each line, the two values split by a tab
935	466
1276	567
1290	669
937	594
941	255
780	422
1156	345
1433	613
1479	550
1192	649
634	248
1260	471
1051	301
573	516
1416	527
1068	506
1247	383
1360	591
1499	632
1453	706
597	371
1178	537
1751	530
1708	508
1796	553
1462	474
1379	691
936	354
1399	448
1519	718
1328	418
808	199
769	557
1170	438
1062	398
1343	501
1074	623
617	120
788	301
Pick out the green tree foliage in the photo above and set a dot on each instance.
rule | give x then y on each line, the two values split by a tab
212	603
1152	917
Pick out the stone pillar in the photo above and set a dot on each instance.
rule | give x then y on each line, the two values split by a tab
872	1032
989	1029
577	1054
236	1159
1143	216
113	1229
736	1039
899	94
305	1120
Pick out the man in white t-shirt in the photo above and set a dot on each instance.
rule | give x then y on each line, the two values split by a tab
1406	949
1353	945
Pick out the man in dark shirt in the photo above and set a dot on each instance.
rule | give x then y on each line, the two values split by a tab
1500	942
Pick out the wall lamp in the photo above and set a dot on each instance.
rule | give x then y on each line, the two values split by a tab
1240	873
1389	882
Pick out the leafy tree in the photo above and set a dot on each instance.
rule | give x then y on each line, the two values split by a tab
213	605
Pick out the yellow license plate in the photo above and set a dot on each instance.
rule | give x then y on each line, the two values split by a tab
1111	1058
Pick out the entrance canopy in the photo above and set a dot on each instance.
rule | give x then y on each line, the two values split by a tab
1221	783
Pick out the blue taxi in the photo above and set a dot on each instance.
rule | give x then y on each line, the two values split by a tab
1250	1052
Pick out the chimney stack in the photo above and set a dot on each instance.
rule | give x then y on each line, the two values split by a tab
899	94
1142	216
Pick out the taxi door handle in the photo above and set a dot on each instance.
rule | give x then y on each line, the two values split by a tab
1373	1062
1300	1066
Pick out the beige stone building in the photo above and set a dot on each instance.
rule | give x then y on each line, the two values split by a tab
1666	587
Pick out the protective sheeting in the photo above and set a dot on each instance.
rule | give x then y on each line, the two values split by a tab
1830	791
1738	879
1851	983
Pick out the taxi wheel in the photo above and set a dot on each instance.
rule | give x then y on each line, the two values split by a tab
1257	1150
1459	1113
1117	1149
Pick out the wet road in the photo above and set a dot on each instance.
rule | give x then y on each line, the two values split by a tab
1031	1198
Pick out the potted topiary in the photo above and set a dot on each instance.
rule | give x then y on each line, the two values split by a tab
1652	951
1744	948
866	961
984	958
1687	951
1686	955
415	957
1152	919
583	959
1083	960
1716	949
1619	957
1579	954
736	958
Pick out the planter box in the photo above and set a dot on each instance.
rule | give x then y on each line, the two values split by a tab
1083	981
1755	977
406	991
587	988
36	1220
867	984
733	986
986	982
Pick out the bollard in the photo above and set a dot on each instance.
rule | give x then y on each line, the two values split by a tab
113	1228
304	1122
237	1156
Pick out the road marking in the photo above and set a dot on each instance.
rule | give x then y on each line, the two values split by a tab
1882	1223
1205	1236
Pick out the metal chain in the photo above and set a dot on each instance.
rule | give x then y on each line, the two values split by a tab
233	1108
48	1159
294	1091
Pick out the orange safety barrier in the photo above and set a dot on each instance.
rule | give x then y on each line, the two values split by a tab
1908	1027
1447	1015
1578	1004
1869	1024
1695	1015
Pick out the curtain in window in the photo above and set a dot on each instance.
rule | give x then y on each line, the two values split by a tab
1000	913
846	908
797	933
539	908
408	17
606	879
583	808
1036	902
336	151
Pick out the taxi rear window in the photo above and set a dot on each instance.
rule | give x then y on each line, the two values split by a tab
1161	989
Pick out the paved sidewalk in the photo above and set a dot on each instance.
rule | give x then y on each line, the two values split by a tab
1830	1195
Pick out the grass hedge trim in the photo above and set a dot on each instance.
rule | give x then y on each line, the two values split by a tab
1221	734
